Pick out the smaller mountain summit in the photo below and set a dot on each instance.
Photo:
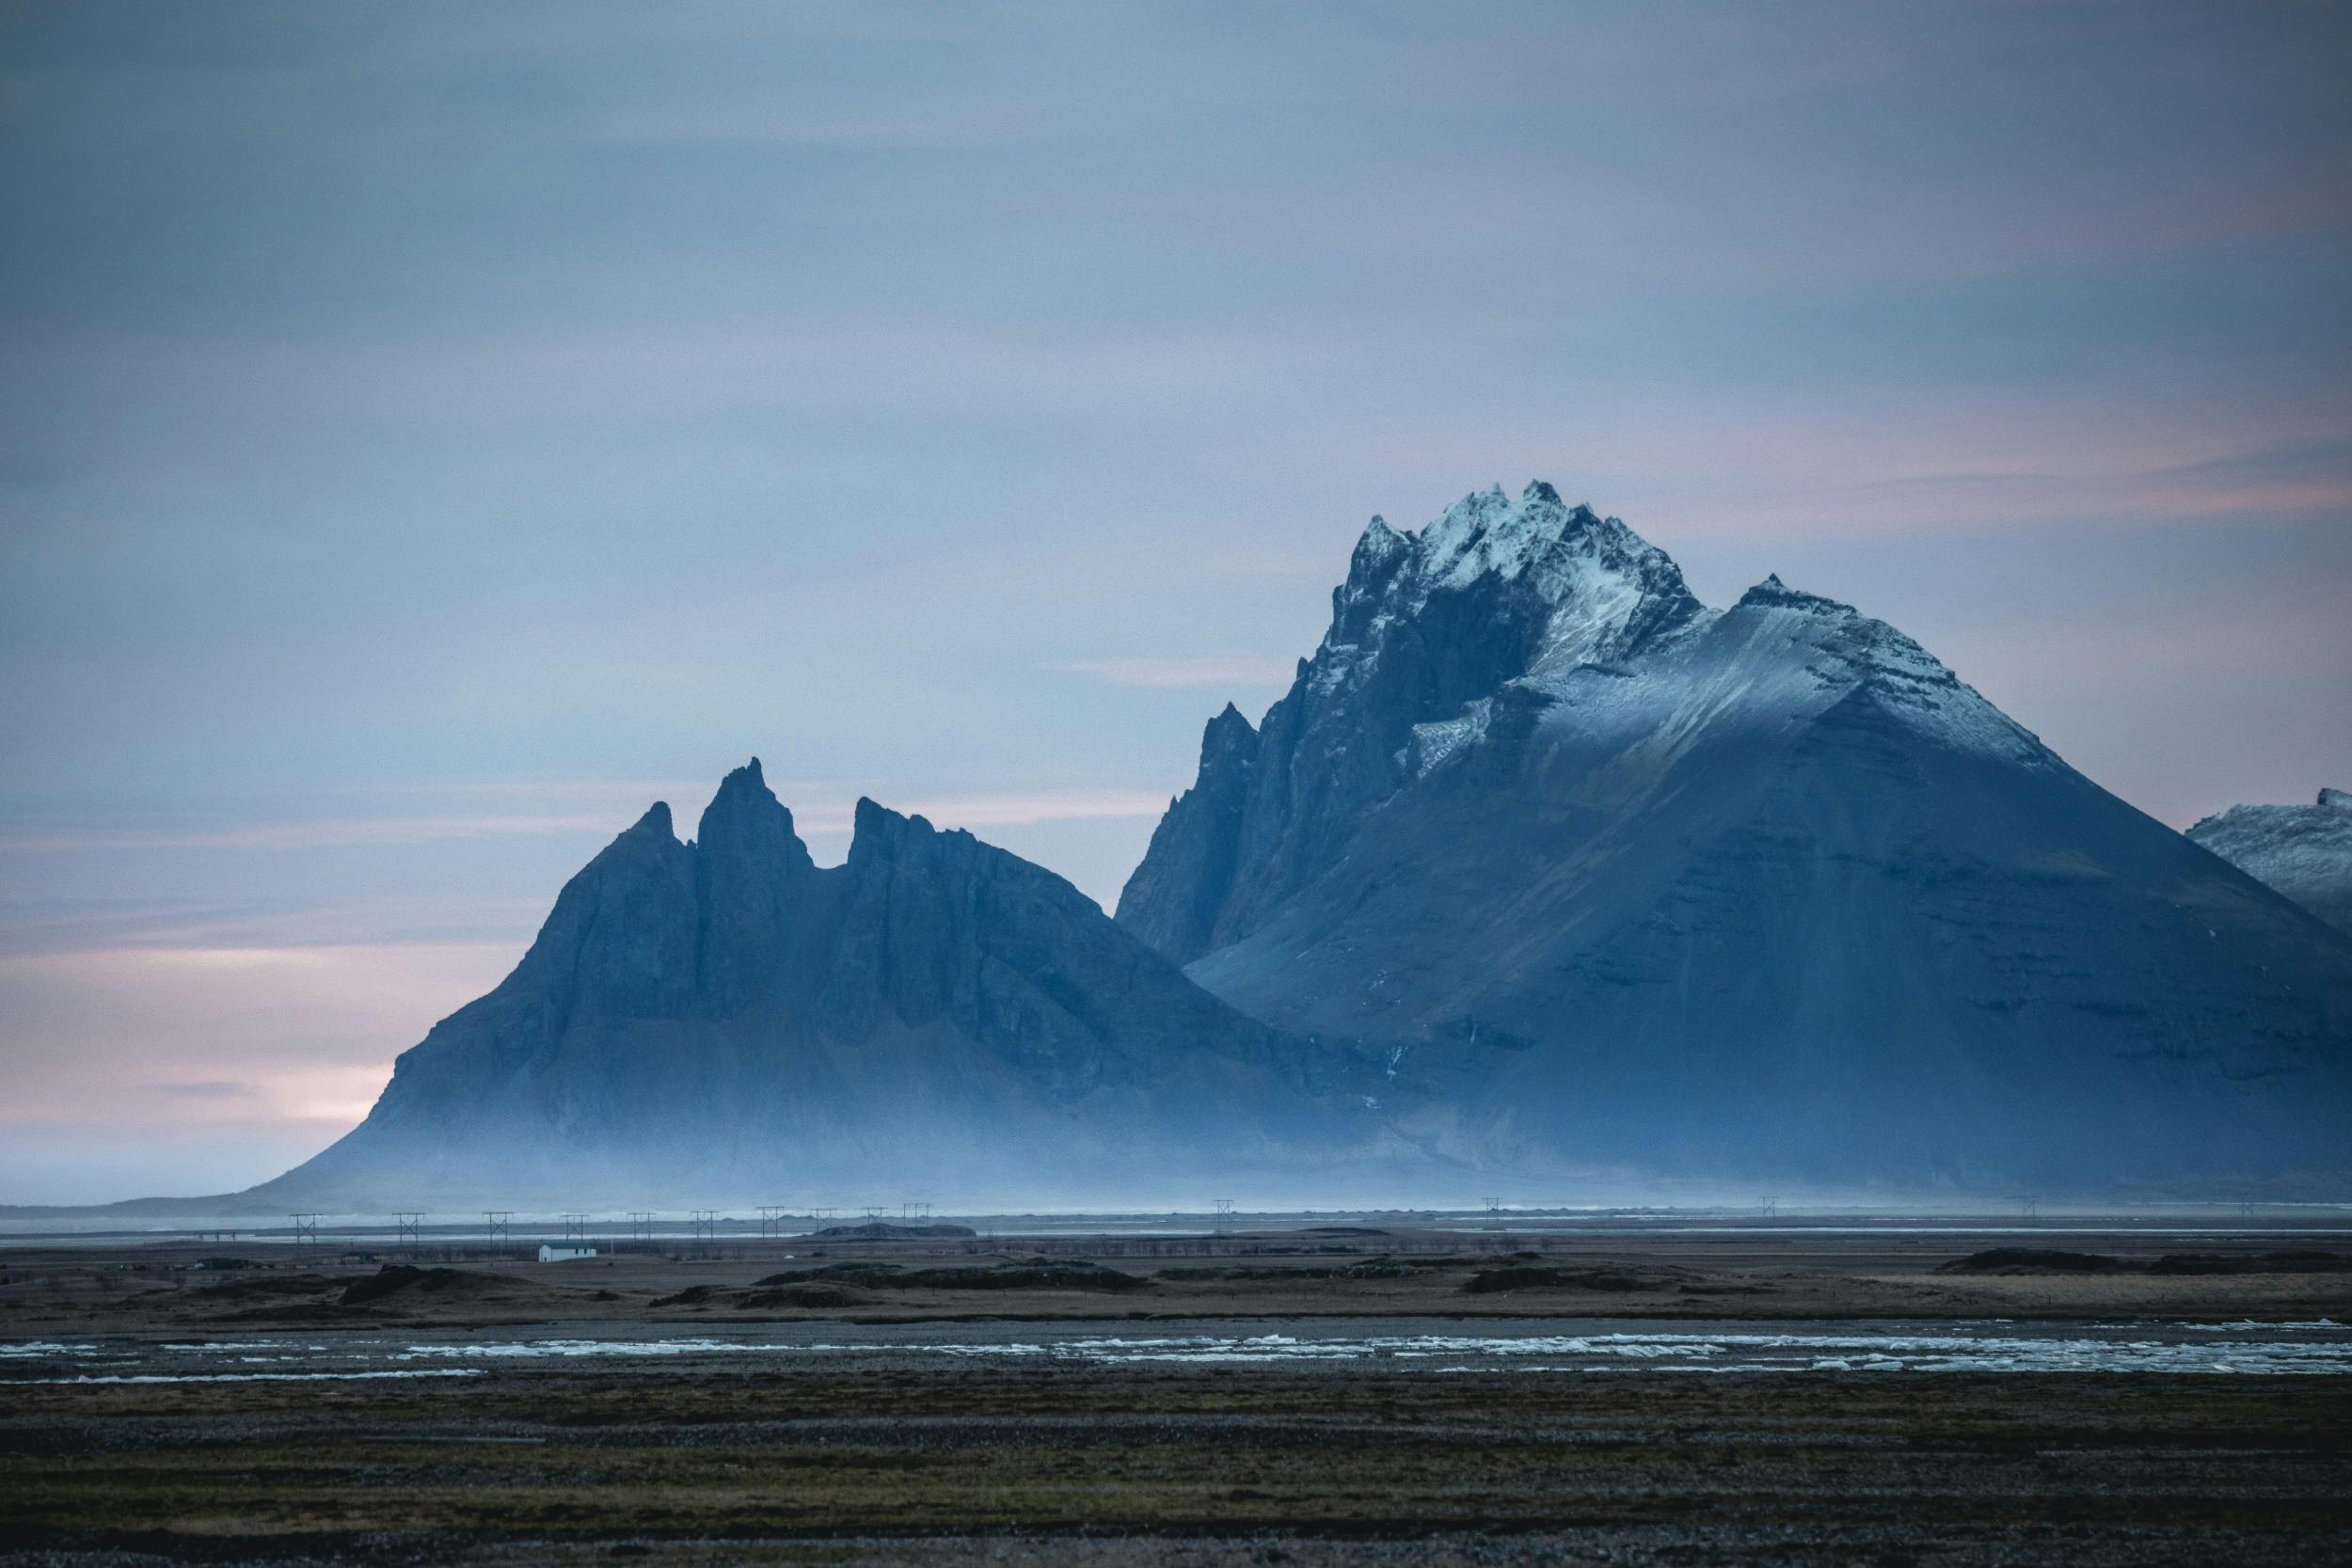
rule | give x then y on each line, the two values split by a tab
2303	852
725	1019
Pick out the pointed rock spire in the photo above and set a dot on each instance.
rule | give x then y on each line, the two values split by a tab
745	821
1377	544
1229	733
875	832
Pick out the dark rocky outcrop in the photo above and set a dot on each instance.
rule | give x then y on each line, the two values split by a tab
726	1018
1617	883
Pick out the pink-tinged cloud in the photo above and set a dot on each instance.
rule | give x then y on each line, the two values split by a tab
215	1050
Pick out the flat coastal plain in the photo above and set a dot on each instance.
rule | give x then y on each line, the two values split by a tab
1354	1394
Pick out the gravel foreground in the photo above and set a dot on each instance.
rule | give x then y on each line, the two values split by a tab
895	1460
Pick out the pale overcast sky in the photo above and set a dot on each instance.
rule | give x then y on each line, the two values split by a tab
428	433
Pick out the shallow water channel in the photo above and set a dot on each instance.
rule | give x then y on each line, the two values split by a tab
1432	1346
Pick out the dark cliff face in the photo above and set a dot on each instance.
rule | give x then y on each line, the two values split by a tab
1173	898
725	1016
1761	892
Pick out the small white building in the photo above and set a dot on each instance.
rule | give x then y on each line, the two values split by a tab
552	1254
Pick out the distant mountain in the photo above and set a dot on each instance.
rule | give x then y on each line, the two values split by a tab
1617	882
725	1020
2305	852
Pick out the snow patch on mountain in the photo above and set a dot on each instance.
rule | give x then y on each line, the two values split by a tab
1434	742
1601	586
2303	852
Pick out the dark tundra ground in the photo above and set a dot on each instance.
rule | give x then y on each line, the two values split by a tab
1705	1397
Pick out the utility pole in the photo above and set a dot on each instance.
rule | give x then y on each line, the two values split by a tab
500	1224
410	1233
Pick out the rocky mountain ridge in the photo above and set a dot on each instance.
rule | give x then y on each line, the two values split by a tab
1615	881
725	1016
2304	852
1542	872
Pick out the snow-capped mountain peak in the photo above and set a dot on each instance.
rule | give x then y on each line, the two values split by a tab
1581	585
1766	888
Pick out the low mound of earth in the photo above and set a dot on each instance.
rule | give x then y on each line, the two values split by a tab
842	1284
1372	1268
246	1292
275	1299
2021	1260
85	1291
804	1298
1607	1277
397	1291
882	1230
2028	1259
1028	1274
404	1283
814	1297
